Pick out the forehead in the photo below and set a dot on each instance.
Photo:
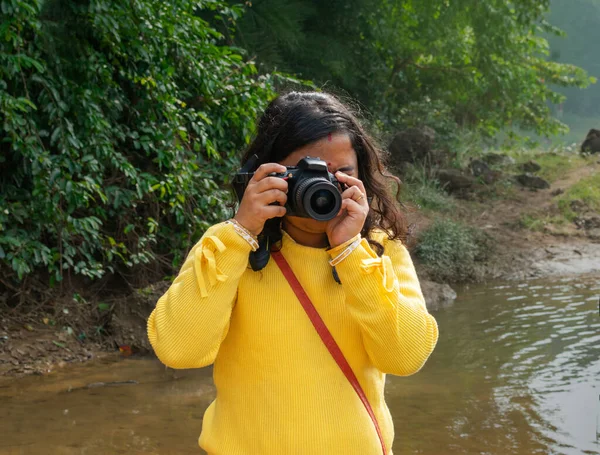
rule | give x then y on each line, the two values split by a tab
335	149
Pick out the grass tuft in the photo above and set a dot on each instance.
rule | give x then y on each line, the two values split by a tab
425	192
586	191
453	252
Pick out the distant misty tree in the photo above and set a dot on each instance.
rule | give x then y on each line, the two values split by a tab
482	65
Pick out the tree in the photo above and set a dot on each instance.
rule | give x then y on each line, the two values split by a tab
120	123
482	65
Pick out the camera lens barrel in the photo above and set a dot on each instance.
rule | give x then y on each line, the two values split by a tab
318	198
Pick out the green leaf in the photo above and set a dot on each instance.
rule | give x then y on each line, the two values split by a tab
103	306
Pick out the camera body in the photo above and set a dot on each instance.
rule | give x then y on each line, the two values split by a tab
313	191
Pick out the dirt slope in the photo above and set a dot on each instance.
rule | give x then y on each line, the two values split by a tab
523	253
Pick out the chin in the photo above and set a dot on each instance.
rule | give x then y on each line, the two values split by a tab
307	224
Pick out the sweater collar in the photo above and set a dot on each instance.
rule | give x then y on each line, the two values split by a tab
289	244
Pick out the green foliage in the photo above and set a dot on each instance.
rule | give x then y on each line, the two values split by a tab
532	223
586	192
580	198
424	191
480	65
539	222
120	122
556	165
486	60
451	251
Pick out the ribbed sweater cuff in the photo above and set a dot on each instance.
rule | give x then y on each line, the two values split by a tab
234	260
333	252
366	276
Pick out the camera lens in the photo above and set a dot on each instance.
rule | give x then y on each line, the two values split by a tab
322	202
318	198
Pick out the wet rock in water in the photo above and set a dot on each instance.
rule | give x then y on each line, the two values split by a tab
437	295
498	159
532	181
530	166
413	145
453	180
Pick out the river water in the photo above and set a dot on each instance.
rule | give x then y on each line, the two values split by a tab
516	371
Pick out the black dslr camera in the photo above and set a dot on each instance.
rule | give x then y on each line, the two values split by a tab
313	191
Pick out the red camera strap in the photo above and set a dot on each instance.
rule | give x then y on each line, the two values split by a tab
327	338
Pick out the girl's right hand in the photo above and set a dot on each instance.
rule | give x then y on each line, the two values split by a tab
255	208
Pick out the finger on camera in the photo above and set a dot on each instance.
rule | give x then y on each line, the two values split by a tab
273	195
266	169
350	181
351	206
274	211
269	183
352	191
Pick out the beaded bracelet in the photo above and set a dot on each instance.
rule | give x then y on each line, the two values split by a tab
345	253
244	233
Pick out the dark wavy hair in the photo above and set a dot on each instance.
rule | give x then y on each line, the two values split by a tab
296	119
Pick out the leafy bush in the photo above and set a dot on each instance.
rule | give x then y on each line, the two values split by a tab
451	251
120	122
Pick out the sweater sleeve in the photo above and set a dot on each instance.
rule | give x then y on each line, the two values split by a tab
384	295
192	318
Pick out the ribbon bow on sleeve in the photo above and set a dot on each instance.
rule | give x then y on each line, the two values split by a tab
205	260
384	265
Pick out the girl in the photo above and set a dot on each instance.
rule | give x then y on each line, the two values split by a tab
280	388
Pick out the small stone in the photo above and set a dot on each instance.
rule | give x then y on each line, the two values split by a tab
592	142
532	181
437	295
454	180
479	167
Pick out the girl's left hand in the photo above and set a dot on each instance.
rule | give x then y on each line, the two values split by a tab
351	217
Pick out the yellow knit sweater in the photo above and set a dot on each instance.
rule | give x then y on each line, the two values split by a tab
279	391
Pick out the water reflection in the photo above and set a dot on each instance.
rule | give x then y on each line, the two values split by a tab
515	372
159	413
